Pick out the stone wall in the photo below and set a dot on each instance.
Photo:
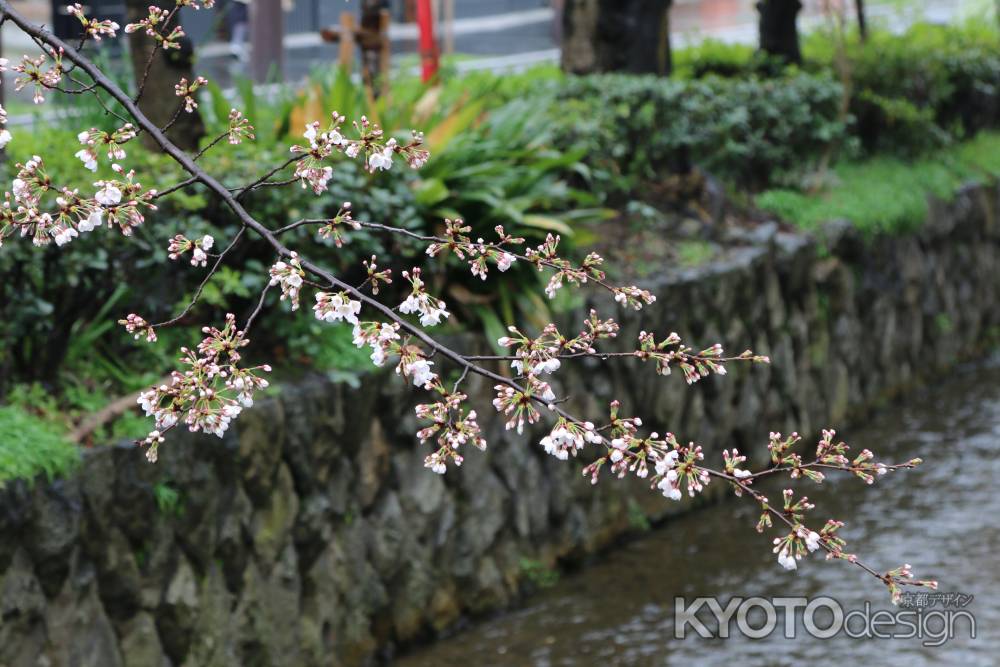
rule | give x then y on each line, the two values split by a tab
312	535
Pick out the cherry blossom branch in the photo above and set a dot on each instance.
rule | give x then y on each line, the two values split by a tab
479	252
215	388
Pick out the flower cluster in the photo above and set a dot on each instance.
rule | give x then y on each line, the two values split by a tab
93	28
332	228
199	248
153	23
674	466
733	459
534	356
478	253
95	140
336	308
239	128
139	327
694	365
451	426
516	406
188	90
32	74
796	544
289	276
633	297
567	438
210	393
414	365
903	576
382	337
375	277
378	152
431	309
121	199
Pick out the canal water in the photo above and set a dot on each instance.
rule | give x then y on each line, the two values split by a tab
943	518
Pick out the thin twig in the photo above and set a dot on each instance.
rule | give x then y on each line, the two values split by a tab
201	287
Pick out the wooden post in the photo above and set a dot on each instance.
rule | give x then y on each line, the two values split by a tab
449	26
385	50
267	39
372	37
347	40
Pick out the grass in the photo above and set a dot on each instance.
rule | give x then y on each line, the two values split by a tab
30	446
886	194
168	499
694	253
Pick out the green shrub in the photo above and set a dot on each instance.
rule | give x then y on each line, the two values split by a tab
751	132
712	57
946	73
910	92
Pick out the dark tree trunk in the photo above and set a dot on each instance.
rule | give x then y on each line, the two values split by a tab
779	33
616	35
158	100
859	6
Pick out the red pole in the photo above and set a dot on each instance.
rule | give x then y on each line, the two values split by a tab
428	47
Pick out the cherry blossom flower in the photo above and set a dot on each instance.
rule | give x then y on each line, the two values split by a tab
420	371
336	307
430	309
92	221
108	193
5	135
381	159
566	439
381	336
505	261
786	560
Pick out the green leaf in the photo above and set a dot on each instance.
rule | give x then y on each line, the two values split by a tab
547	222
429	192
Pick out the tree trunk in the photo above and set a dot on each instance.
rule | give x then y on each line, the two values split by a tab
158	100
616	35
859	6
779	34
